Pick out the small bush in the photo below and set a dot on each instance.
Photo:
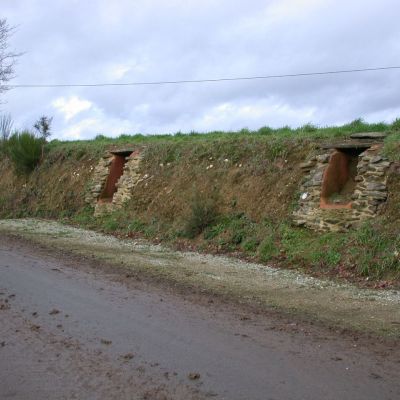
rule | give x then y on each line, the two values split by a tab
111	225
309	128
357	124
250	245
213	231
268	248
396	124
203	212
100	137
265	130
24	150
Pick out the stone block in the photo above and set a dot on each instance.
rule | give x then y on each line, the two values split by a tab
323	158
308	165
376	159
376	186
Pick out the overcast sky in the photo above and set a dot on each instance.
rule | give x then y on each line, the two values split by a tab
98	41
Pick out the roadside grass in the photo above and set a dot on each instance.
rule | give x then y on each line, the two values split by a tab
369	253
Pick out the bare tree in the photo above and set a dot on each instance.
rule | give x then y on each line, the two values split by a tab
7	57
6	124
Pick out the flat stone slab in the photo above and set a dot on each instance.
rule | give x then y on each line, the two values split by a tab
122	152
369	135
348	145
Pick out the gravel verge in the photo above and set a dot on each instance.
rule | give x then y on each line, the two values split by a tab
336	304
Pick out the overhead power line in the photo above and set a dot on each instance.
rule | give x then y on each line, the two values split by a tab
177	82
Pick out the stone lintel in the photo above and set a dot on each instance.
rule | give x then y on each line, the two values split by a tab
349	145
123	152
369	135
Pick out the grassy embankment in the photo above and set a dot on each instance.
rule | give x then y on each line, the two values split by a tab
221	192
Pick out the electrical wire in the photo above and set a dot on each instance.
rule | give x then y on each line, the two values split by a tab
177	82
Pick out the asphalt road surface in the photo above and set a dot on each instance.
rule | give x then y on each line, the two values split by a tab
70	330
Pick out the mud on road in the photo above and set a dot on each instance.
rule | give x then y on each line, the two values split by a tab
81	327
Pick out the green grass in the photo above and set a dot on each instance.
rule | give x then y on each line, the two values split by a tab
268	248
369	251
101	142
392	145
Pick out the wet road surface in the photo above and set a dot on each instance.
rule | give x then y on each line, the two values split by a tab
74	333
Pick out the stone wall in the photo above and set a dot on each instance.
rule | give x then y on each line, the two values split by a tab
369	194
125	185
129	179
98	181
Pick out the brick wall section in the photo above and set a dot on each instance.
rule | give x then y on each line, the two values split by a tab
369	194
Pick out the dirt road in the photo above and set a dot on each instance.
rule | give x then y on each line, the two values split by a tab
68	330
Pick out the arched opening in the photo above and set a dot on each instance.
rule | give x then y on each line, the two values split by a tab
339	178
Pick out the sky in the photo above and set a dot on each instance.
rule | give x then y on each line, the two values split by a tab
104	41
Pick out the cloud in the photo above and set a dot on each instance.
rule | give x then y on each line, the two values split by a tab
117	71
96	123
71	106
255	114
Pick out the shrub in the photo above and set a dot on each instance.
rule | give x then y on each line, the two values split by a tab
213	231
24	150
396	124
251	245
309	127
265	130
203	212
267	249
100	137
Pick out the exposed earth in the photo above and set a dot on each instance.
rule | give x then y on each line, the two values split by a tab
88	316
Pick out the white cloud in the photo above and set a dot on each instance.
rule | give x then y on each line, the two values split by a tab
282	9
71	106
256	114
97	123
142	108
118	71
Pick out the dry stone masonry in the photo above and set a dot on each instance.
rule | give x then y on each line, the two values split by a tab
343	185
129	179
100	175
114	179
